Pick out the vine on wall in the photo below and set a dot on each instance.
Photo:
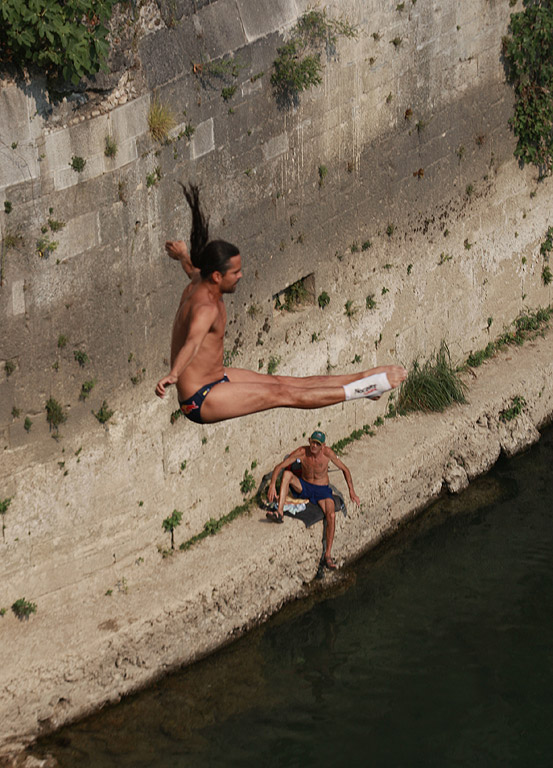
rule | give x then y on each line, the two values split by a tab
529	56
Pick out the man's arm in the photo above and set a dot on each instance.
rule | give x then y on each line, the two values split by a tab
202	319
271	491
329	453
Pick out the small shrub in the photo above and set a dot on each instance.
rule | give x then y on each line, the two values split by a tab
432	386
23	608
45	247
16	413
86	389
349	309
228	92
110	146
323	300
55	415
323	173
517	404
7	206
27	424
370	302
62	341
170	523
390	229
247	484
55	225
9	367
396	42
546	275
81	357
160	121
153	177
104	414
366	245
77	163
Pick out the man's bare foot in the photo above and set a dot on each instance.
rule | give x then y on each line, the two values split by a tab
329	563
396	374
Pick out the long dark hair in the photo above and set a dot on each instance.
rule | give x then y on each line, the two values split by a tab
207	256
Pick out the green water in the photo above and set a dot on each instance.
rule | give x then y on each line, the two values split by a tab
437	651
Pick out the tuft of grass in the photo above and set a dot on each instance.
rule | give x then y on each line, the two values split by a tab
27	424
323	173
213	526
370	301
9	367
160	120
433	385
228	92
546	275
110	146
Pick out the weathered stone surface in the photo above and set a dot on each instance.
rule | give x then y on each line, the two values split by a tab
517	435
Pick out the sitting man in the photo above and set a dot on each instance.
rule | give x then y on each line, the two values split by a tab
313	485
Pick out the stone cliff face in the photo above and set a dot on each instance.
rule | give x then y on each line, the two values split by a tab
390	187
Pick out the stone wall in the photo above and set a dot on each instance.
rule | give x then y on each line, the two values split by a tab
420	206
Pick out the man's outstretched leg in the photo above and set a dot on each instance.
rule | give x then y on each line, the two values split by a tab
244	395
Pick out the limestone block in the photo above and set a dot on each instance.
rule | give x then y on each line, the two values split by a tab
261	17
18	297
203	140
276	146
130	120
221	27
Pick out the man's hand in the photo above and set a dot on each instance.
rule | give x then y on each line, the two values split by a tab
271	492
176	249
163	383
355	498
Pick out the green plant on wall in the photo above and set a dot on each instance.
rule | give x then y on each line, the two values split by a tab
67	40
528	53
4	504
23	608
55	415
170	523
298	65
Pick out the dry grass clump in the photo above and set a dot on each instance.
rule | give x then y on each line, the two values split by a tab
160	120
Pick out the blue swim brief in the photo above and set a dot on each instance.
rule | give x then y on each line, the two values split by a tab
192	407
314	493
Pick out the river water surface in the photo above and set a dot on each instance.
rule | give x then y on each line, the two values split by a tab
436	651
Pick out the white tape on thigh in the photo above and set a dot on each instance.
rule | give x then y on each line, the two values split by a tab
371	386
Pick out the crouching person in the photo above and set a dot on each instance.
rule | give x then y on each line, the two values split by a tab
312	485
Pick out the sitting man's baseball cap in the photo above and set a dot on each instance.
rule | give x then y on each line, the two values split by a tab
318	437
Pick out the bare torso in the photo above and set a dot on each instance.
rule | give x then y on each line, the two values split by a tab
314	468
207	365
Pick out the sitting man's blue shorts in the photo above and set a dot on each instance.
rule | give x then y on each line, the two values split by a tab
314	493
